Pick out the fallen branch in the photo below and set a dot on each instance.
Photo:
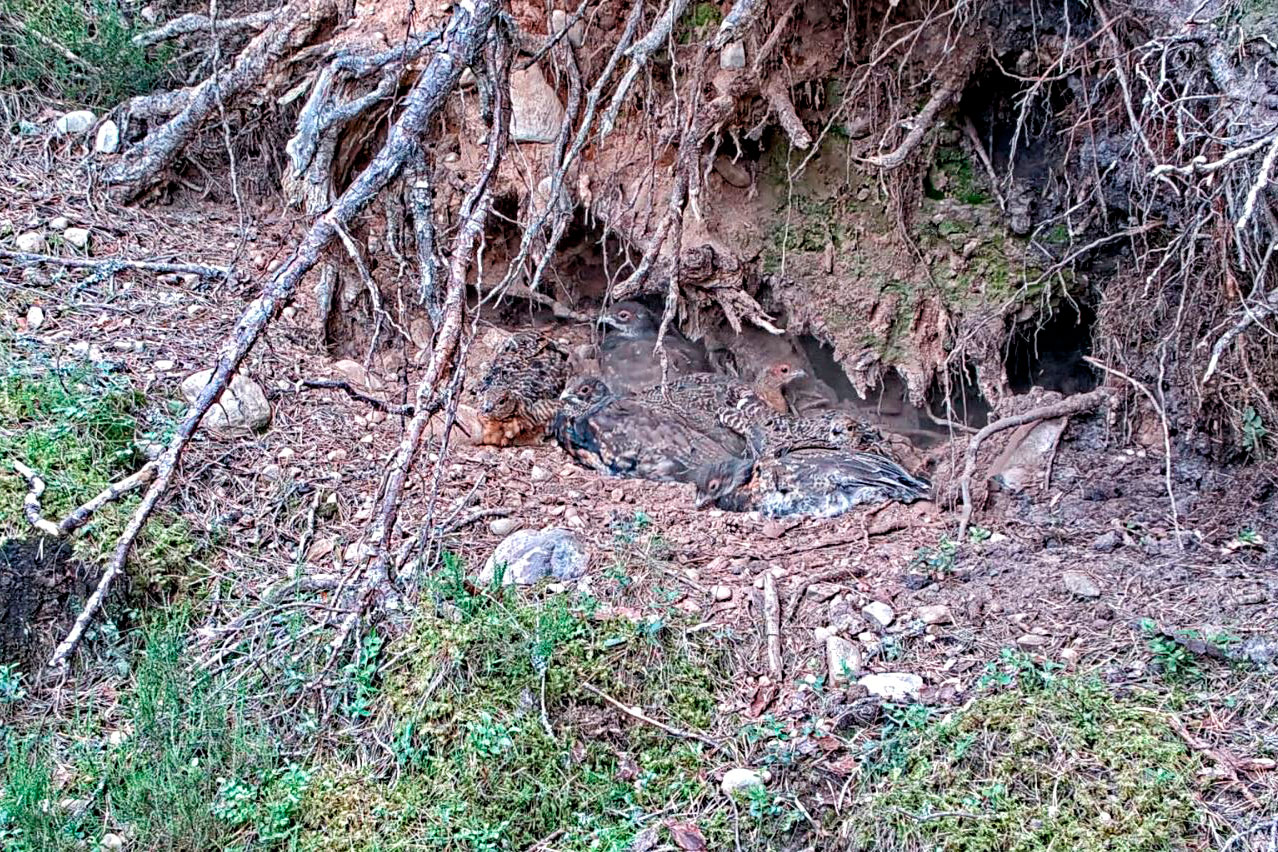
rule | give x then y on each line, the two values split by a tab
109	265
463	39
636	713
772	625
194	23
81	515
1069	406
1167	450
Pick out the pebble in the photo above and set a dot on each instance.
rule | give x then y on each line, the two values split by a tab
559	20
272	471
1078	583
77	237
939	614
732	173
35	317
32	242
108	138
535	110
879	613
740	779
822	633
893	686
59	223
1107	542
843	659
242	406
163	366
1031	640
77	121
286	454
336	455
722	593
112	841
503	526
539	474
1070	655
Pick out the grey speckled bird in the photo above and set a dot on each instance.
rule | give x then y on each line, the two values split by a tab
520	388
623	436
816	483
626	356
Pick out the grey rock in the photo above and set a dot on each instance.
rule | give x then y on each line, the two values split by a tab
76	122
879	613
108	138
358	377
1107	542
733	55
59	223
32	242
539	474
530	555
35	317
1031	640
842	658
939	614
722	593
576	33
1078	583
893	686
76	237
535	110
242	407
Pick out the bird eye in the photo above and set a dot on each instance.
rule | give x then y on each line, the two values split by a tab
784	369
624	316
714	485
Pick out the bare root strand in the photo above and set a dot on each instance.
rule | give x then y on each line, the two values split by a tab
921	124
346	388
463	38
639	54
31	502
1066	407
193	23
648	720
779	99
110	265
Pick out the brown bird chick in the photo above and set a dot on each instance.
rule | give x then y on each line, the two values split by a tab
623	436
834	430
519	391
711	402
626	356
814	482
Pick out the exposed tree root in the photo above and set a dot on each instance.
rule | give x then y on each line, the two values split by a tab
462	40
1068	406
109	265
193	23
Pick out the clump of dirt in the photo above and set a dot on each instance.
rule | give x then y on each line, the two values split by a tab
38	580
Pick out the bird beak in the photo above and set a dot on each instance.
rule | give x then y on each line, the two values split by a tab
798	374
702	500
608	320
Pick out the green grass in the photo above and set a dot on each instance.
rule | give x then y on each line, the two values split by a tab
77	426
110	67
179	763
476	767
1050	763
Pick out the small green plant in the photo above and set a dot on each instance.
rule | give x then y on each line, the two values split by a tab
1253	432
1173	659
1018	669
939	559
11	689
979	534
1249	536
360	675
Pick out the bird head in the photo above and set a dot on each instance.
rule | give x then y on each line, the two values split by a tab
781	373
720	479
842	427
581	393
499	405
630	319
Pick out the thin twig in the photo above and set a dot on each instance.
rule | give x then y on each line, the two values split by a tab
635	713
110	265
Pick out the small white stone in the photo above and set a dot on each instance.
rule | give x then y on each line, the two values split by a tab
272	471
843	659
289	312
78	121
503	526
740	780
893	686
722	593
878	612
539	474
148	14
108	138
112	842
286	455
733	55
336	455
77	237
559	20
1070	655
1031	640
939	614
163	366
32	242
35	317
822	633
59	223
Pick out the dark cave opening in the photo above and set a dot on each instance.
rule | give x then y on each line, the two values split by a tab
1049	353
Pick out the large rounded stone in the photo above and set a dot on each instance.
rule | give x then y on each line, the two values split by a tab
242	407
530	555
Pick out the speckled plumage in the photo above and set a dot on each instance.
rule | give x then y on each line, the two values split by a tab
520	388
811	482
624	436
626	356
